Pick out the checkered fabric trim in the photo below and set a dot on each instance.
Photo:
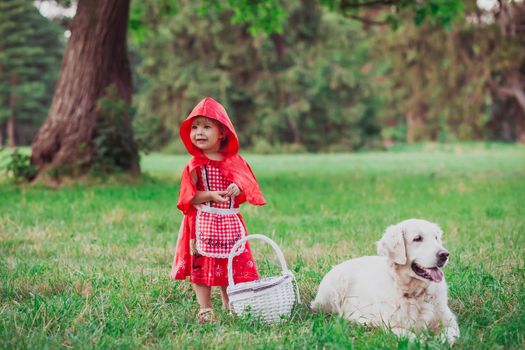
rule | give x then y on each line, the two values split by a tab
217	234
214	181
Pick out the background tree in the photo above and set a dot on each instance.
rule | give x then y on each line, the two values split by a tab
95	65
302	87
431	74
318	90
461	84
30	51
505	56
96	58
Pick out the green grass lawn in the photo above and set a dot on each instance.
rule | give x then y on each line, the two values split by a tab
87	266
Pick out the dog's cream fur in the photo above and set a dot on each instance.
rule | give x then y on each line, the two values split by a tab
385	290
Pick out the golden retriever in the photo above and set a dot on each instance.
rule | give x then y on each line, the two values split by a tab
403	289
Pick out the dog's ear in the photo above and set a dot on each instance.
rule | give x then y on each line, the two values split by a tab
392	245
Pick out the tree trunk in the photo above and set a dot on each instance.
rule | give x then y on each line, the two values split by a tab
95	58
511	20
279	45
411	125
10	125
11	139
293	125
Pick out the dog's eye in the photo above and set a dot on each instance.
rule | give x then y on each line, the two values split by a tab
418	239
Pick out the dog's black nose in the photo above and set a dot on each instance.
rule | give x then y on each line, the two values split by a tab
442	257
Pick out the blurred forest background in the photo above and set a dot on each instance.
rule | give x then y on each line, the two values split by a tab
86	86
322	80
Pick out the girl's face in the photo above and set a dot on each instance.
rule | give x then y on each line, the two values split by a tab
206	134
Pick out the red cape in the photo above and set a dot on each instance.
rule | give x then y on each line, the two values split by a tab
233	167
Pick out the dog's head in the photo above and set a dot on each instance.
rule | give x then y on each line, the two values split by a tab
415	243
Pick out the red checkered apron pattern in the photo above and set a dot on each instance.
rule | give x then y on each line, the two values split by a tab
218	226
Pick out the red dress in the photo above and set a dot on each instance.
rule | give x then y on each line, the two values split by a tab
209	230
200	253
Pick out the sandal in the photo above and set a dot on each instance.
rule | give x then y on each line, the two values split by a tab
206	315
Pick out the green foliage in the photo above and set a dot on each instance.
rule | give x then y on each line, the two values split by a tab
18	165
437	12
30	55
145	17
270	16
299	88
440	12
432	74
151	135
87	266
302	76
263	17
114	147
439	80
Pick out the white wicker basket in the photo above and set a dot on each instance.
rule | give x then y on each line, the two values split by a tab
271	299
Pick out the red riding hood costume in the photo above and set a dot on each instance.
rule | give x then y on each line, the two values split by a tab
209	230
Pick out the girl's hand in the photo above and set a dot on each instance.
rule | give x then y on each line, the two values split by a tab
218	196
232	190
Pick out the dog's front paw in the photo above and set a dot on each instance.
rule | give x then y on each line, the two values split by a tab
403	332
452	335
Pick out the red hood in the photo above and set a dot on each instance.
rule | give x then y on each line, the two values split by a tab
212	109
233	167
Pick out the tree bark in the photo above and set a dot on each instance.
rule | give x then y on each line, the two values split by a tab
11	139
10	126
279	45
511	20
413	123
95	58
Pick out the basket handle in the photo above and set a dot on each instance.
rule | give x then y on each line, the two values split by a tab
250	237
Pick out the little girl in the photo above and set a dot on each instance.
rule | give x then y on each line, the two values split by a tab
214	183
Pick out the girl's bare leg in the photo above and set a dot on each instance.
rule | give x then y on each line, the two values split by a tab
203	293
225	299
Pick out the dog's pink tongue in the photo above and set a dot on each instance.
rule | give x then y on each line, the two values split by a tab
435	274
